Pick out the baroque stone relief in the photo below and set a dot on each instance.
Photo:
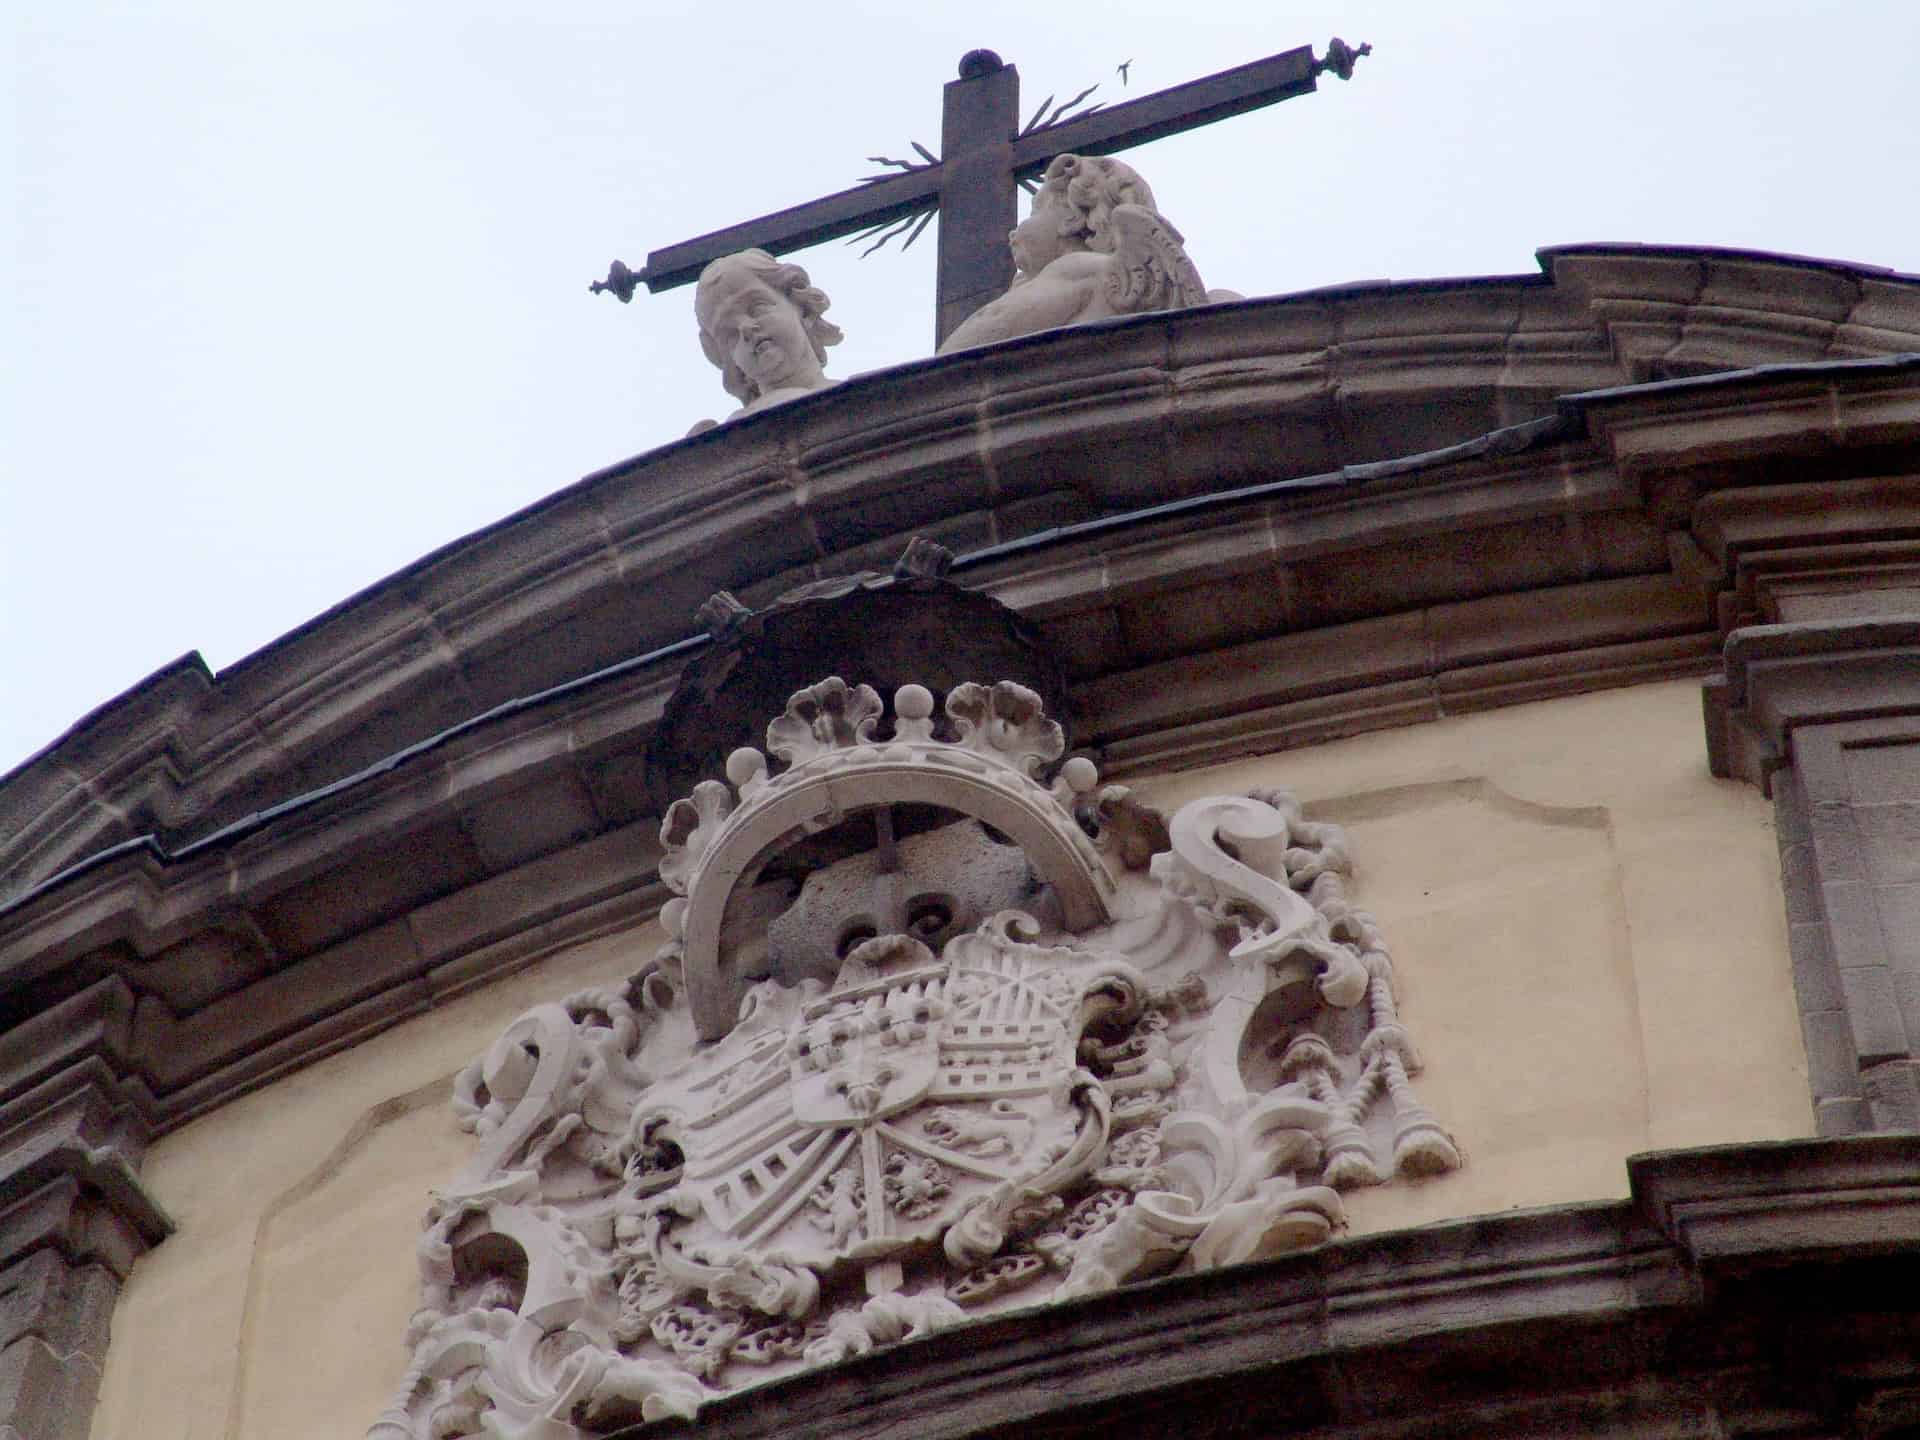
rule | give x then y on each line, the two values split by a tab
1094	246
763	324
942	1027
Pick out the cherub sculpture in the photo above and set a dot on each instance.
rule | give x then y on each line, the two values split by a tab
1093	248
763	323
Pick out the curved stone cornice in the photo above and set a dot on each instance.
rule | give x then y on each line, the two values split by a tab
1610	541
973	449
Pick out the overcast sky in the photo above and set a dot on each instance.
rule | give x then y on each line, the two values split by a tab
300	291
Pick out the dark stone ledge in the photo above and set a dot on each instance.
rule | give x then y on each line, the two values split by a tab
1781	678
974	449
1511	567
1692	1310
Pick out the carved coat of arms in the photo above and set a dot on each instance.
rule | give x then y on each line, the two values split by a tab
934	1031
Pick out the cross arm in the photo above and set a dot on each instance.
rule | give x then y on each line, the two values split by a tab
844	213
1168	112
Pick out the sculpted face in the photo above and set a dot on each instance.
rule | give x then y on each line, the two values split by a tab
1037	241
760	330
943	883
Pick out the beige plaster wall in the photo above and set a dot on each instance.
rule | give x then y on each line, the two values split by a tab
1591	954
277	1309
1588	936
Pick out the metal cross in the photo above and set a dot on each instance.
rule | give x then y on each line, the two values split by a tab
984	155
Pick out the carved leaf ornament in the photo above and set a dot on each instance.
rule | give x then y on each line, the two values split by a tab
1172	1051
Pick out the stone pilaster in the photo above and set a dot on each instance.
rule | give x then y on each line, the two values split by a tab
1825	716
73	1214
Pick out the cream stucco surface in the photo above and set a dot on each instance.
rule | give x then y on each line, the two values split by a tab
1588	938
1591	953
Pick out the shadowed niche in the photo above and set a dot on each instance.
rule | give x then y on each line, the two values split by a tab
881	631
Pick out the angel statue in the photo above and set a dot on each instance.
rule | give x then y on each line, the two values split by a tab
1094	247
763	323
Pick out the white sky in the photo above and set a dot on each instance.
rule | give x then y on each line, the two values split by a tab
300	291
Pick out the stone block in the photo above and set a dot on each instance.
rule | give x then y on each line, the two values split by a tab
1204	617
1318	662
1816	979
1853	924
1836	841
69	1307
1889	834
382	960
618	861
97	1021
533	820
387	877
1786	1200
44	1395
1567	617
1844	1115
1088	643
1764	289
1833	1066
1893	1094
29	1288
1540	677
1900	923
1873	1010
85	1321
1157	571
1799	882
1073	585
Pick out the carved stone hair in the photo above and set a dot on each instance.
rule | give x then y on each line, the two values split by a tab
1091	187
790	281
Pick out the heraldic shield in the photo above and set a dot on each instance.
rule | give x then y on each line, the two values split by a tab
867	1121
929	1036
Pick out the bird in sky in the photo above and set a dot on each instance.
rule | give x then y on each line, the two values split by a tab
1121	70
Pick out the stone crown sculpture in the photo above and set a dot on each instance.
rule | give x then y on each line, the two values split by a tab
1006	1039
1094	247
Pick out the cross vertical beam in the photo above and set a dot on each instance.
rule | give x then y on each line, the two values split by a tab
979	116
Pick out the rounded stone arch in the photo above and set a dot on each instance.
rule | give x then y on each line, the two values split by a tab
1025	812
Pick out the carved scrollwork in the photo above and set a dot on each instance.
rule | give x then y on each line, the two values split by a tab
824	718
1006	723
947	1119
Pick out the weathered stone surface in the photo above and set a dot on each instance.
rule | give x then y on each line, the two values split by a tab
1095	247
763	325
1725	1300
912	1103
189	752
1827	714
890	632
437	781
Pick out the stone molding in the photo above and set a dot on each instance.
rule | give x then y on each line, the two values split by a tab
73	1215
1825	717
1739	1207
437	781
1779	679
301	929
1791	500
1724	1300
973	449
1513	568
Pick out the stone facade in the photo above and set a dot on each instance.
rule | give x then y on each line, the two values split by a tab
1237	531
